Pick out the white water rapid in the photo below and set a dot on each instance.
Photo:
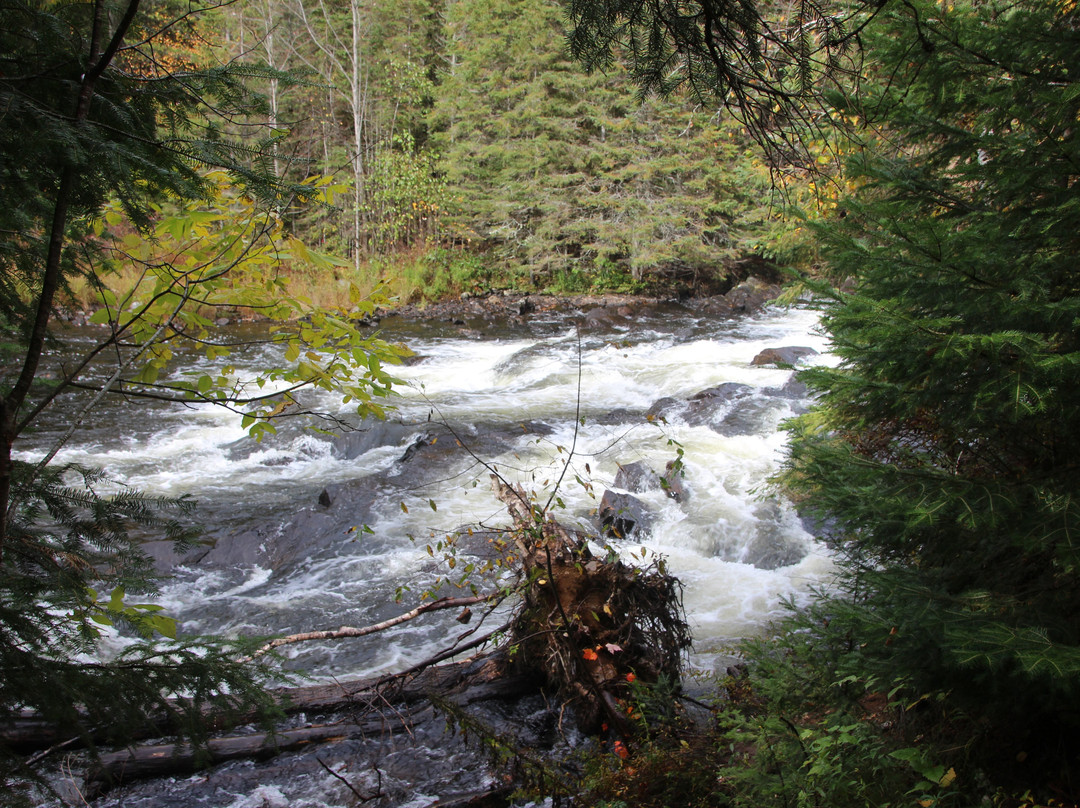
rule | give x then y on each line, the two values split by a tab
525	399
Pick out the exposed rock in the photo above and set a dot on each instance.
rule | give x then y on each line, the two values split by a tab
166	559
793	388
623	515
747	418
602	318
751	295
636	477
354	444
789	355
771	546
672	482
709	406
745	298
342	508
620	415
663	407
722	392
415	447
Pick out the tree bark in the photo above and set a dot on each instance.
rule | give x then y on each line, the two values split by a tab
374	705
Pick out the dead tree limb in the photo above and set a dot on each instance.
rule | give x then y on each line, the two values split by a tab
350	631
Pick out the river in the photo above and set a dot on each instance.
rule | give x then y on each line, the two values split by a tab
522	398
317	529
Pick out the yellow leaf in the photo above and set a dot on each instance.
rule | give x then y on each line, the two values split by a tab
947	778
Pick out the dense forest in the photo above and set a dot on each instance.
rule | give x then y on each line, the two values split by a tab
472	152
912	164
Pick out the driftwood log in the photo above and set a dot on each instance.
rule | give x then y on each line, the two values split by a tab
351	631
29	733
372	707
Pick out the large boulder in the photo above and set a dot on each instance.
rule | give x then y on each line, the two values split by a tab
711	404
374	434
751	295
772	544
603	318
672	482
663	407
788	355
165	559
637	477
623	515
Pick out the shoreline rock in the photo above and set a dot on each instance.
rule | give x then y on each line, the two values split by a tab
602	310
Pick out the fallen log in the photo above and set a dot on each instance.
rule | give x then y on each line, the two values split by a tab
160	760
370	710
29	733
350	631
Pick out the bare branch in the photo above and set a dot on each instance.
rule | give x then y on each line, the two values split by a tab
350	631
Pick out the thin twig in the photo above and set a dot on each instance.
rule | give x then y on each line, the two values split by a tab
348	785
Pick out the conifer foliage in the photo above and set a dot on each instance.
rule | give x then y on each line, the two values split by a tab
89	114
941	460
562	176
945	447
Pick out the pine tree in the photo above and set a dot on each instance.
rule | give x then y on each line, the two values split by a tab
564	177
941	460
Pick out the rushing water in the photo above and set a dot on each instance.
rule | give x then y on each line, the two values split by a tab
525	399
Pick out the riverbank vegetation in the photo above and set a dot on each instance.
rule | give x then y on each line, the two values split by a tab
471	153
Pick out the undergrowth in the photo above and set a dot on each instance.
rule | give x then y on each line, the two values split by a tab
795	727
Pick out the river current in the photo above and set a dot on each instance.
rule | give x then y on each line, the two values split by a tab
316	530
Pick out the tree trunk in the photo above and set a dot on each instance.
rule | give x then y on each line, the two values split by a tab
359	103
374	706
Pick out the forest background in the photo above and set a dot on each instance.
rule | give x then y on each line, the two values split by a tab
468	151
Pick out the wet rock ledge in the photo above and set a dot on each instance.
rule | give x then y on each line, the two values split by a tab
608	309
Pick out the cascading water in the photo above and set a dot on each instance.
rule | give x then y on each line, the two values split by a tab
310	530
524	399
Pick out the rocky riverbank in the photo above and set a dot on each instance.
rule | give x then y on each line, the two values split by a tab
608	309
507	306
